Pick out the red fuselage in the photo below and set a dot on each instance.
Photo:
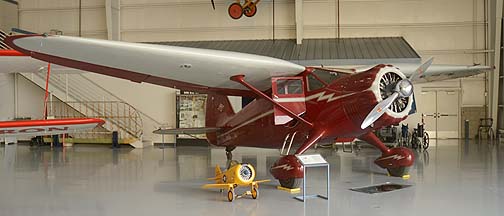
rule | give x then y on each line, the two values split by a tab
338	109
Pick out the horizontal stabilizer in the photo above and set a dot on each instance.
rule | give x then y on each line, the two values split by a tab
201	130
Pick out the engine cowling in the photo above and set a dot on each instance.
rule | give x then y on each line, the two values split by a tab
384	85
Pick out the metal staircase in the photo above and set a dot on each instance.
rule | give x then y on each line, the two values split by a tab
77	96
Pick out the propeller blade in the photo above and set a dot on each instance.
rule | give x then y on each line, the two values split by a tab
420	70
378	110
213	4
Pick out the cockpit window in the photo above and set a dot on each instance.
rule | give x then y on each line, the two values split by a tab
326	76
289	86
314	83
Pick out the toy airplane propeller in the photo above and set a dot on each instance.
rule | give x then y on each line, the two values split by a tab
237	175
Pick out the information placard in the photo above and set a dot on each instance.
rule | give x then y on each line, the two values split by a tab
311	159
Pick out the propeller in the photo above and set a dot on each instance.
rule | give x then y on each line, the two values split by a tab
213	4
403	89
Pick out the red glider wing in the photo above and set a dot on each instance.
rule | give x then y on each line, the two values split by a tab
47	127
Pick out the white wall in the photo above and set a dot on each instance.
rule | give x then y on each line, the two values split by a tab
7	96
30	99
42	16
8	16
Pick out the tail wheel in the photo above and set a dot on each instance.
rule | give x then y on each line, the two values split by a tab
398	172
255	193
250	10
290	183
425	140
230	195
235	11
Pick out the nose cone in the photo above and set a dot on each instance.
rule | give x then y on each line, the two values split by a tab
405	88
246	173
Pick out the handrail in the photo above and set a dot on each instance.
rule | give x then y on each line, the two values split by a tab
82	96
113	95
56	79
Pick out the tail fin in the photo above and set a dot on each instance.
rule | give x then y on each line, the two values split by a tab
218	112
217	170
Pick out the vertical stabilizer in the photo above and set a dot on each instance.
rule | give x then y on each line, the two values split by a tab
217	171
218	112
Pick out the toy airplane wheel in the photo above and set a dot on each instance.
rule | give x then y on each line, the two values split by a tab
250	10
230	195
235	11
255	193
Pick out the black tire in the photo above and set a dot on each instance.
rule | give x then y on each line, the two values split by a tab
414	141
250	10
398	172
230	195
255	193
290	183
425	140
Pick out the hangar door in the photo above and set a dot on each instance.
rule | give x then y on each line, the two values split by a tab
442	110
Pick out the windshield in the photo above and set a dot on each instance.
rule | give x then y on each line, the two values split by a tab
325	76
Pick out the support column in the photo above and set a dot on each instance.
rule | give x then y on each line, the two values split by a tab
16	99
113	17
495	74
299	21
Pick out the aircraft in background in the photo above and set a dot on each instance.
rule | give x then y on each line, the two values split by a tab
294	107
12	129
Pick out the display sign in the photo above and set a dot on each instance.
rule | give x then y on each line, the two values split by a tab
311	159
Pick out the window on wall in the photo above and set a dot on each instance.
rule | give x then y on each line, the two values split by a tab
288	86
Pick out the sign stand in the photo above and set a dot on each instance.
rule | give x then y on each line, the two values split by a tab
314	160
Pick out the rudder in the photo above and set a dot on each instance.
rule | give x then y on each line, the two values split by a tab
218	112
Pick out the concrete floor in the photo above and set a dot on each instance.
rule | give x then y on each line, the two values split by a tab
451	178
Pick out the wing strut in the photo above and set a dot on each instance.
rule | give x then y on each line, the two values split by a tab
47	89
240	79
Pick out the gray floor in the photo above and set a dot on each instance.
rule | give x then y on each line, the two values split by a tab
451	178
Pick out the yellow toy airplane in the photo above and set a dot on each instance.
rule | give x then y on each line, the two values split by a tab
236	175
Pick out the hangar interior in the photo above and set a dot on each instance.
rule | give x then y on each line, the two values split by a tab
164	173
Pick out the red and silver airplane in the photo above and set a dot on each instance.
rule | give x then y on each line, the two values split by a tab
294	107
14	61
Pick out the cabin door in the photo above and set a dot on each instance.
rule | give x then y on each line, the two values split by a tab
289	92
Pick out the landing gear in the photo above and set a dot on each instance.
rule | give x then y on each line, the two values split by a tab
396	160
230	195
288	170
398	172
235	11
250	10
255	193
229	155
290	183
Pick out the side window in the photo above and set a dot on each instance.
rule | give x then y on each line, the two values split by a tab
289	86
314	83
